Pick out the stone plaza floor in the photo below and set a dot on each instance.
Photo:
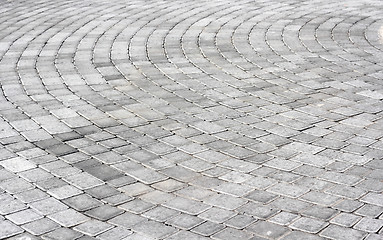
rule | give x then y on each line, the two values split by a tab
191	120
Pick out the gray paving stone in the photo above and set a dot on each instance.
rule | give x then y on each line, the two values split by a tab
240	221
308	225
160	214
369	225
337	232
267	229
258	210
126	220
231	233
184	221
186	235
9	229
24	216
345	219
137	206
154	229
284	218
62	234
369	210
68	218
301	235
40	226
48	206
82	202
208	228
93	227
115	233
186	205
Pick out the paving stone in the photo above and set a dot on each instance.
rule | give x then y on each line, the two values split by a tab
154	229
48	206
64	192
233	189
137	206
347	192
289	204
337	232
115	233
373	198
186	235
288	190
8	229
268	230
62	234
240	221
301	235
169	185
10	205
184	221
83	181
24	216
208	228
17	164
160	214
261	196
231	233
127	220
320	198
31	195
216	215
284	218
82	202
40	226
93	227
308	225
68	218
345	219
186	205
369	225
102	191
369	210
138	236
225	201
258	210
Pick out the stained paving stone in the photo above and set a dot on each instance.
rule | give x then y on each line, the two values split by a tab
225	116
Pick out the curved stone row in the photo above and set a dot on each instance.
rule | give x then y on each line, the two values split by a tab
191	120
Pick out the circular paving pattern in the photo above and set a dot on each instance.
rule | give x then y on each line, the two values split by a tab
191	119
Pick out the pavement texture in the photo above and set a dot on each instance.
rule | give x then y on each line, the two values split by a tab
227	120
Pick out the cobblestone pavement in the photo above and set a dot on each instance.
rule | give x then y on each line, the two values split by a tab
248	119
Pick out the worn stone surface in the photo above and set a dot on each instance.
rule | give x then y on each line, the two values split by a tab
191	119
